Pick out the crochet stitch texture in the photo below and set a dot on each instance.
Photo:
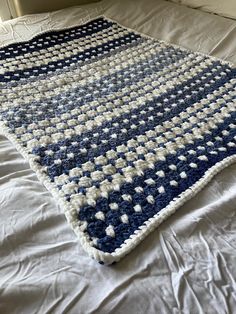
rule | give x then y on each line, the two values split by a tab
121	128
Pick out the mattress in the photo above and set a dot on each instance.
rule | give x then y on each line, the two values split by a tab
186	265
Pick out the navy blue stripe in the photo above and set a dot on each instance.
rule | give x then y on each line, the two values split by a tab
96	228
83	56
103	87
49	161
131	163
54	38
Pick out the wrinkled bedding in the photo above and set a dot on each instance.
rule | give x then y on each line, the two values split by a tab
186	266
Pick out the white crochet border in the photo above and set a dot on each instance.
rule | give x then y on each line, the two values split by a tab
148	225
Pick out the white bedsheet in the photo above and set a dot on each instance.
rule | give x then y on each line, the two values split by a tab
186	266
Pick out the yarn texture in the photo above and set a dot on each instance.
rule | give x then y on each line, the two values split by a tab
121	128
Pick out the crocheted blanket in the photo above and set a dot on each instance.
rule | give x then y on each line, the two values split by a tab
121	128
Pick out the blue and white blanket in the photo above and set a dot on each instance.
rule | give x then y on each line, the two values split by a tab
121	128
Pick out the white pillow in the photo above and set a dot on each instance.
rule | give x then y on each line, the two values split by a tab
225	8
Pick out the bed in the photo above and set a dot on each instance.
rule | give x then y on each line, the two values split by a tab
186	265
